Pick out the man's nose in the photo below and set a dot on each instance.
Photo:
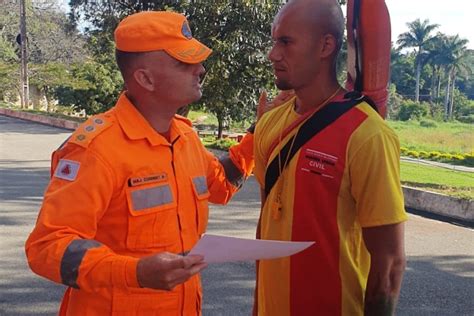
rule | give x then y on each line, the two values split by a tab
273	54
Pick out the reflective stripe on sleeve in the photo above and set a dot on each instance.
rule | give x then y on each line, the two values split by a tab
200	183
151	197
232	173
72	259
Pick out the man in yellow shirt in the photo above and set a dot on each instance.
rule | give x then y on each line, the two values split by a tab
339	187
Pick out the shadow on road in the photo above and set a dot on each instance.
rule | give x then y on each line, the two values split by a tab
448	278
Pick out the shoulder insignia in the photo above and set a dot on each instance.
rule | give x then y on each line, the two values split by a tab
183	119
87	131
67	169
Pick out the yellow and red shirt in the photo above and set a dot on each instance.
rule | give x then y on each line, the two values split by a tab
120	191
343	179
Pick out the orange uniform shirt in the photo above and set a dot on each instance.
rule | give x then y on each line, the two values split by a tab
120	191
343	179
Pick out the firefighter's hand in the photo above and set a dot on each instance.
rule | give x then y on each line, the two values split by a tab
265	105
165	270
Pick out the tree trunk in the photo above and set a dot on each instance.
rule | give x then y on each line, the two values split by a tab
433	90
438	89
433	83
451	103
48	100
220	127
417	85
446	98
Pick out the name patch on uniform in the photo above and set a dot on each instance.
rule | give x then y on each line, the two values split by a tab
132	182
319	163
67	169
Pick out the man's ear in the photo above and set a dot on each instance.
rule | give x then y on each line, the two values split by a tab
328	45
144	79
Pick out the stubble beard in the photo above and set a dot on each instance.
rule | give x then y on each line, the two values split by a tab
283	85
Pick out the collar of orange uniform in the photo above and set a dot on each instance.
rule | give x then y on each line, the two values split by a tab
136	126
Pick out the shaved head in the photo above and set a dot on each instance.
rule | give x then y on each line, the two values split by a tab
322	16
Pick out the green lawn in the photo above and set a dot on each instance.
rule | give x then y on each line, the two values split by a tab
450	137
455	183
201	117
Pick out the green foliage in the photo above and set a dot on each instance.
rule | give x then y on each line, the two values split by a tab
225	143
95	89
237	31
469	160
469	119
410	110
221	144
428	123
463	107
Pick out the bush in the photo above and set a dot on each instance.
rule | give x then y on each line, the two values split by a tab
424	155
223	144
412	153
403	150
434	155
410	110
469	119
469	160
428	123
445	157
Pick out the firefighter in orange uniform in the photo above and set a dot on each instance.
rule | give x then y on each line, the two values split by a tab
129	189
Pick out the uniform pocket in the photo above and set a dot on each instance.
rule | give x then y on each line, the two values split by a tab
152	222
201	194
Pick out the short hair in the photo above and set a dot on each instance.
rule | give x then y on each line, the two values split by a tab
125	62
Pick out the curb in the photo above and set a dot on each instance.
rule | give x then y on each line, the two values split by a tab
420	200
439	204
51	121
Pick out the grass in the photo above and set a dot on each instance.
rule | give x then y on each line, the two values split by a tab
201	117
455	183
447	137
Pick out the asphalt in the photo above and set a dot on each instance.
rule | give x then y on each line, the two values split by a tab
438	279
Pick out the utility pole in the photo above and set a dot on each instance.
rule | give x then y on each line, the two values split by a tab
24	57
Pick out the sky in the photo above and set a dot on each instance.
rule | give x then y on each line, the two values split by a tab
453	16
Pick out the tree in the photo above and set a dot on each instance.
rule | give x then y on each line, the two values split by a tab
52	45
418	37
455	53
237	31
94	89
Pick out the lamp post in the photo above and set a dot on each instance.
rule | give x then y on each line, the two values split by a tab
24	57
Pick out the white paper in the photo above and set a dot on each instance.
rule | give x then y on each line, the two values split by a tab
216	248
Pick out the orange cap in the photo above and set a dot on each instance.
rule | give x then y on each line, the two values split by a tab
160	30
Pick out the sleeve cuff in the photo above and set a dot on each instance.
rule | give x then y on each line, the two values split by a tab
124	272
131	272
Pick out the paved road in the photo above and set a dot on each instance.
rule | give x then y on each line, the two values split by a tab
439	279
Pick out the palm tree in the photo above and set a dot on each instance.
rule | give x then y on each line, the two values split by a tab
455	55
418	37
436	62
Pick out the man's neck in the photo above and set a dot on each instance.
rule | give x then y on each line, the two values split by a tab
314	96
158	115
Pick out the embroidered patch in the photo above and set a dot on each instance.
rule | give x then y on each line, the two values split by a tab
186	30
132	182
67	169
